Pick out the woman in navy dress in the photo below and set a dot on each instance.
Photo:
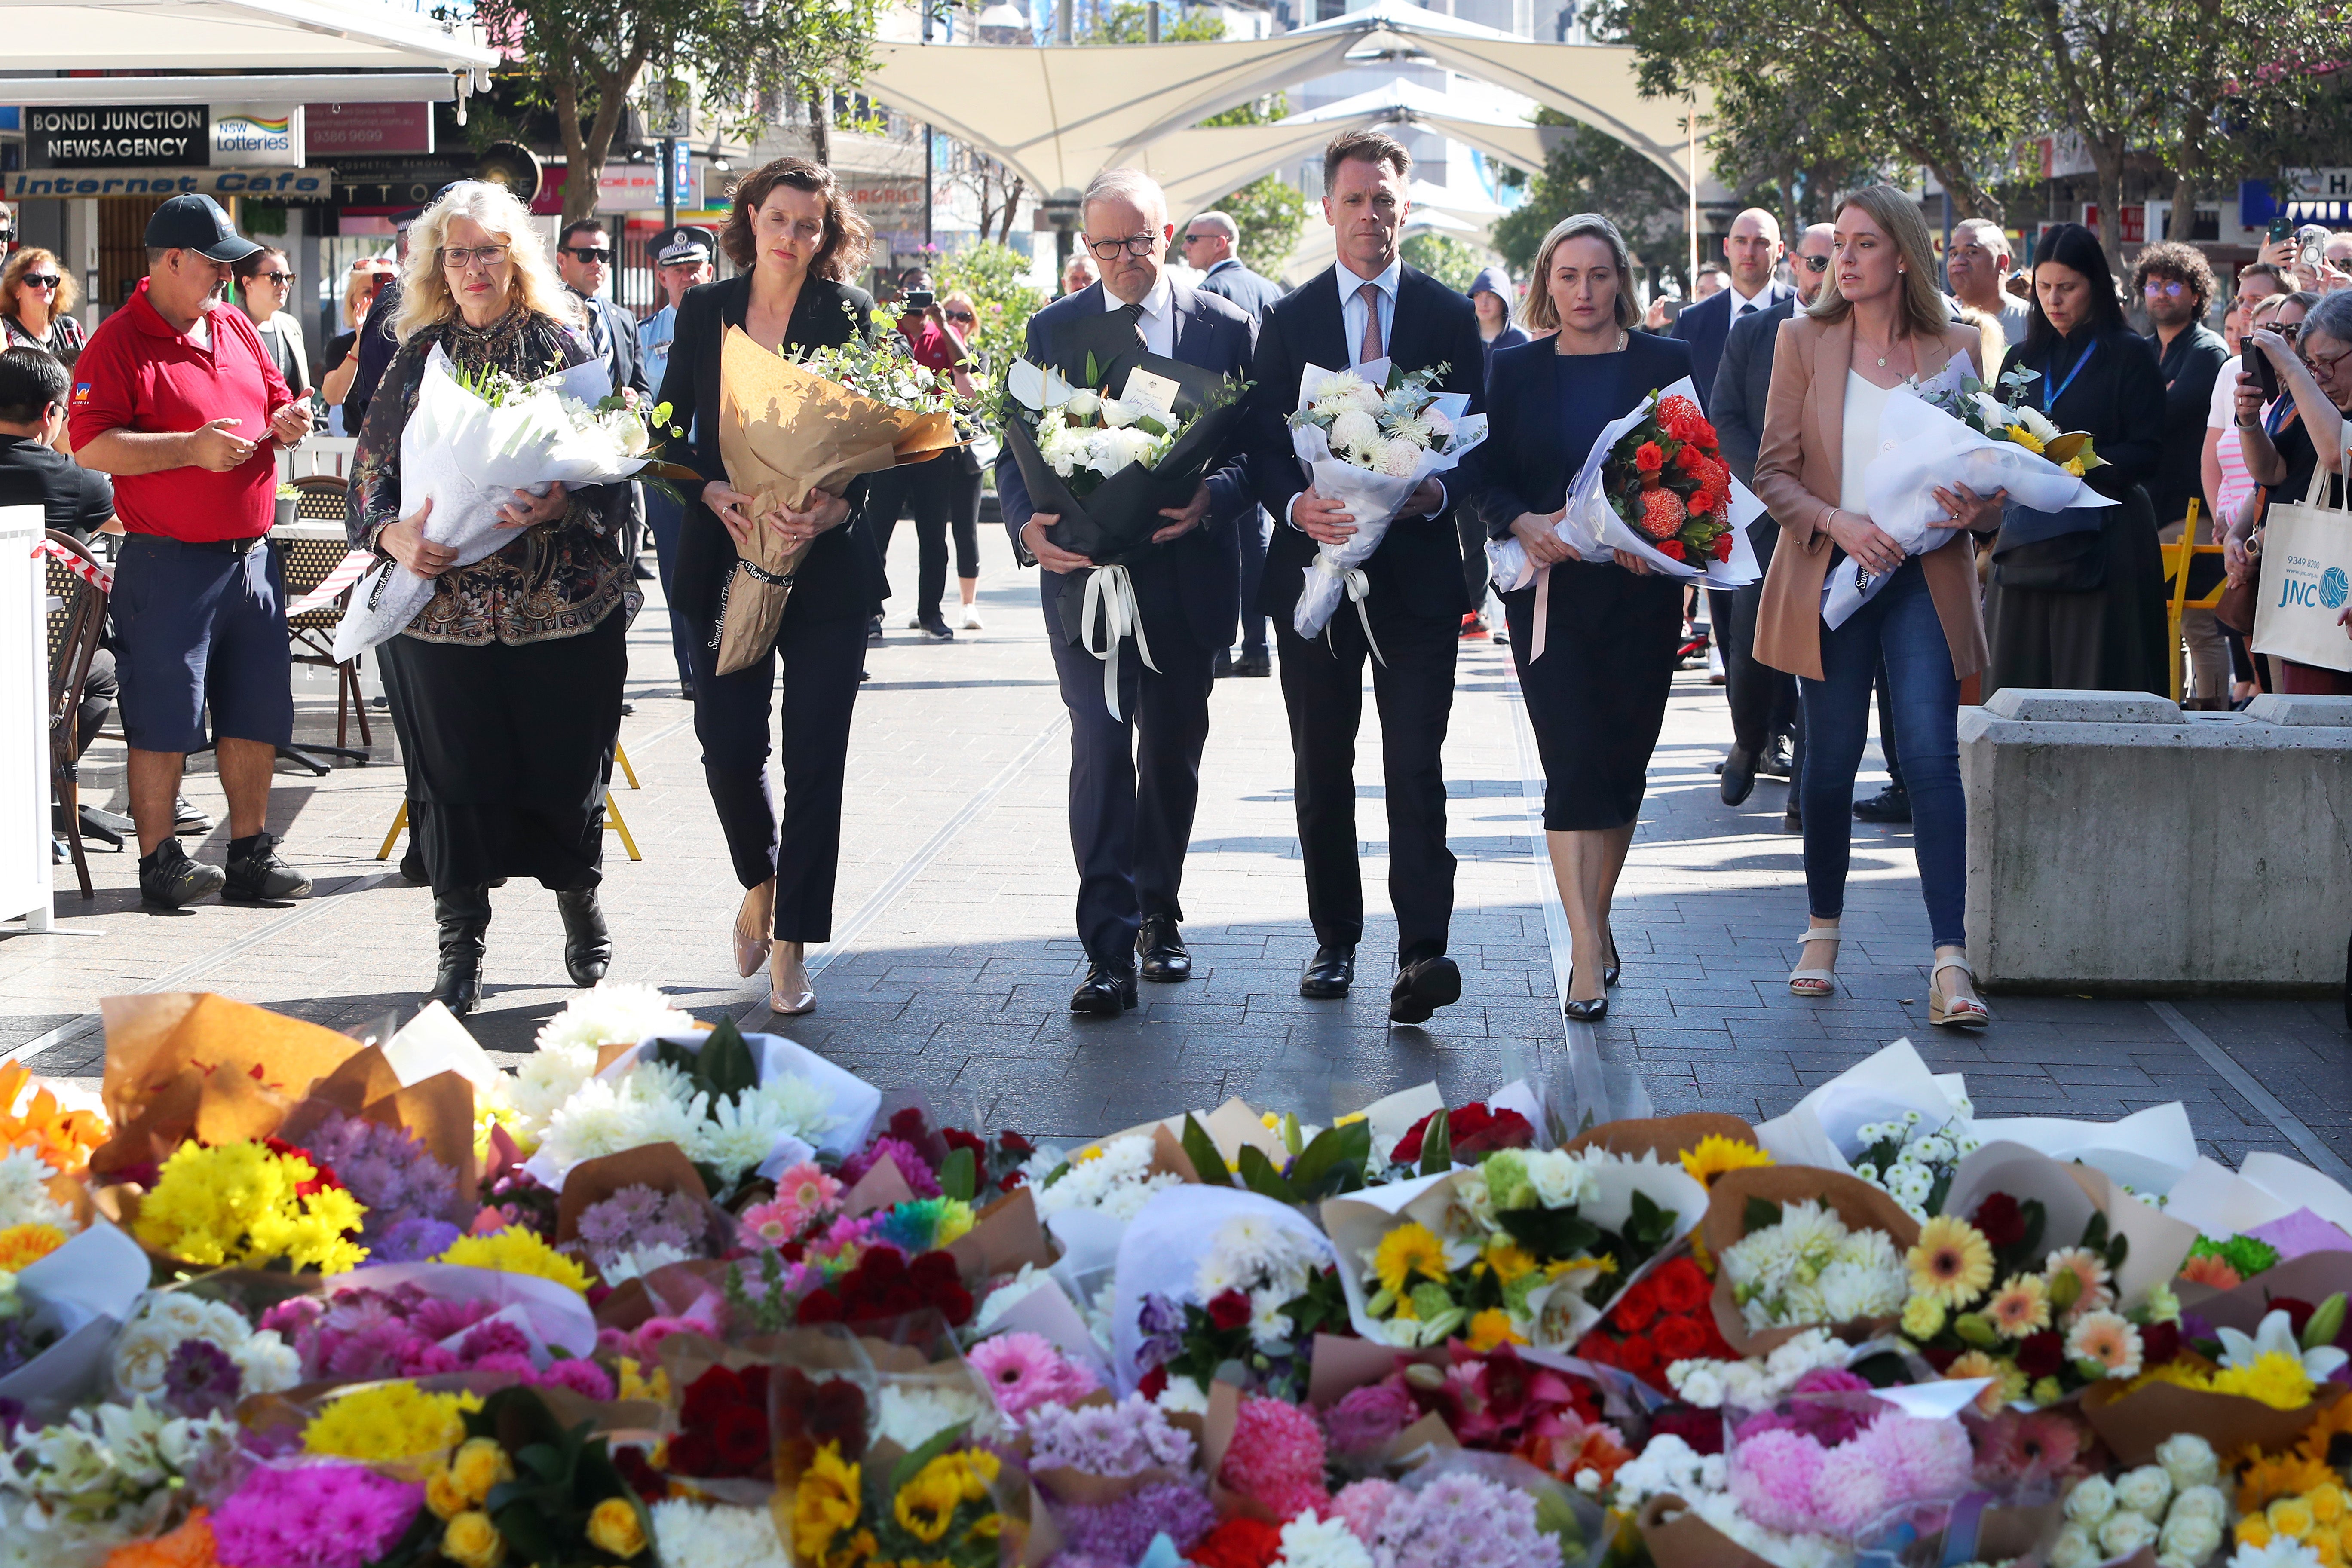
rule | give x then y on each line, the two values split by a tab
1598	695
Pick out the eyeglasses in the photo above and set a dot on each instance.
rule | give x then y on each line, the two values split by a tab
278	278
42	279
2323	364
1137	244
1193	239
965	317
458	257
590	253
2156	289
1815	263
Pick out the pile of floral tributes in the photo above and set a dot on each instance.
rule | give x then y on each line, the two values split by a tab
677	1296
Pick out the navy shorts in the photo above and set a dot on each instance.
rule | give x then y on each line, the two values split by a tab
198	628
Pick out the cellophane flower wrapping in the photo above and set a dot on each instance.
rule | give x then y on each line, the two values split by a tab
1368	437
467	453
1924	447
1593	526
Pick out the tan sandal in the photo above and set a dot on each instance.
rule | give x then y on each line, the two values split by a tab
1815	982
1960	1012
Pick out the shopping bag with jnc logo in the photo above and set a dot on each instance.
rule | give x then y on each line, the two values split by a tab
2307	580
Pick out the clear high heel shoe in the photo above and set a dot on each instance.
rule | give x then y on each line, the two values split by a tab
751	939
788	994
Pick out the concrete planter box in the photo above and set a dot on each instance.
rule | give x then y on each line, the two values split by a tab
2117	844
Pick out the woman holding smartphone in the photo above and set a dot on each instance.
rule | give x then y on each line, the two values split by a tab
2306	350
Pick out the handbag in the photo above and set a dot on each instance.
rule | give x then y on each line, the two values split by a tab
2307	579
2235	611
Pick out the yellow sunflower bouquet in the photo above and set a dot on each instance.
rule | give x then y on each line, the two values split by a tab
936	1507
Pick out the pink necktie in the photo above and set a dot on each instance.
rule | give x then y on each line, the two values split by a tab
1371	295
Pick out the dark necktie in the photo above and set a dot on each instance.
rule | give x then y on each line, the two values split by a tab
1133	316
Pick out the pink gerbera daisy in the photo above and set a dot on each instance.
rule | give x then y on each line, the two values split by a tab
804	1195
2090	1270
2108	1340
1024	1371
2029	1449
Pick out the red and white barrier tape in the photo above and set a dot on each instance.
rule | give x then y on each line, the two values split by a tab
90	572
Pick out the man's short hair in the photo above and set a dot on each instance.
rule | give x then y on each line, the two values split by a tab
32	382
581	225
1371	146
2170	258
1707	266
1218	223
1988	233
1124	184
2264	270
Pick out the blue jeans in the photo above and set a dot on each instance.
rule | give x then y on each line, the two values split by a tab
1900	627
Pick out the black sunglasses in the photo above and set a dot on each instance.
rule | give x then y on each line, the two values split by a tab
591	252
43	279
275	276
1815	263
965	316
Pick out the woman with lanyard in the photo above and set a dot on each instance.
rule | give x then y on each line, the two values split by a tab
2083	610
2309	344
795	241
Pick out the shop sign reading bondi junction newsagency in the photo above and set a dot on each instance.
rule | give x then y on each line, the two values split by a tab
118	136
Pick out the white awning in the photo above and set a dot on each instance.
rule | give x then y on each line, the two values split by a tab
1057	116
235	36
347	87
1197	166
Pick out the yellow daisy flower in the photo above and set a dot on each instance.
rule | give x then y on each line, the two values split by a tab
1717	1154
1405	1252
1953	1261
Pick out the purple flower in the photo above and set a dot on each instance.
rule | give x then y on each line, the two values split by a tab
1465	1522
318	1516
1120	1531
1366	1418
1161	1323
387	1170
414	1240
639	1217
200	1379
20	1343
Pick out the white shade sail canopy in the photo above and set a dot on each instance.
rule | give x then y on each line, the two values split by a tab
1198	165
1057	116
234	36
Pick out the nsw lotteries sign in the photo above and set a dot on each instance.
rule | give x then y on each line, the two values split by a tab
257	136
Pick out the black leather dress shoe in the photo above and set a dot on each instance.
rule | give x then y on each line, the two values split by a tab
1889	804
1254	664
1423	988
1223	666
587	943
1739	776
1779	760
1107	992
1159	950
1329	972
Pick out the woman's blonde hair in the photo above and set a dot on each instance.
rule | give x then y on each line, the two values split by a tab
1923	312
424	295
24	261
1537	312
359	287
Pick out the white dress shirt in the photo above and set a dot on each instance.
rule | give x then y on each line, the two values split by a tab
1351	308
1158	322
1743	305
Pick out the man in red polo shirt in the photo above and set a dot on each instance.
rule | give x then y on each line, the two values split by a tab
182	403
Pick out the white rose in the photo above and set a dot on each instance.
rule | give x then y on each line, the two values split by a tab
2074	1549
1084	403
1118	413
1355	431
1400	457
142	1356
2202	1501
2190	1461
268	1363
2123	1533
2144	1490
2091	1501
2192	1539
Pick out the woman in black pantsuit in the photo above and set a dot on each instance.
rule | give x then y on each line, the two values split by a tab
796	240
1597	696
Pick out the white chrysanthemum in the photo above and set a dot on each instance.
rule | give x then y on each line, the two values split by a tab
1269	1326
549	1077
737	1134
1398	458
1440	423
1368	397
1335	394
1355	431
1004	1297
1182	1397
911	1413
631	1261
601	1119
25	1198
1311	1542
1721	1510
688	1531
613	1012
806	1110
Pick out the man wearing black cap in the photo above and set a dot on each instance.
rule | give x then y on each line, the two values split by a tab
681	260
184	407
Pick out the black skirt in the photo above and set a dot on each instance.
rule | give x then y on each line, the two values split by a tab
1598	696
2107	638
507	750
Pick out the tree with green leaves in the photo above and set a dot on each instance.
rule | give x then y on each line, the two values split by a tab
1590	171
587	56
996	276
1451	261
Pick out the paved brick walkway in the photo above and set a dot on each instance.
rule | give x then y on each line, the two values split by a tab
953	959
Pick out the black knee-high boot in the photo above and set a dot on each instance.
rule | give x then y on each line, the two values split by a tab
587	944
463	914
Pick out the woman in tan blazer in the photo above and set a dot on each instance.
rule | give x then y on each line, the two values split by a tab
1879	321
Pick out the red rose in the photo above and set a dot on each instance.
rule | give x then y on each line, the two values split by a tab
1598	1348
1689	458
1680	1285
1638	1356
1678	1339
712	1394
694	1453
741	1437
1496	1129
1649	458
933	1271
957	1138
1635	1309
2001	1221
2158	1343
1701	502
2042	1354
1702	433
907	1124
1723	545
1671	549
1230	1310
955	1304
1153	1384
641	1478
820	1306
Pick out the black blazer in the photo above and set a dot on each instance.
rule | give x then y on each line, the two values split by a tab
1529	467
1743	383
841	578
1706	327
2118	397
1197	579
1254	294
1417	569
622	356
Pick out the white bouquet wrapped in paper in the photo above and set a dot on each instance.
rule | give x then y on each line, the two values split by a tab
1695	514
471	443
1948	432
1368	436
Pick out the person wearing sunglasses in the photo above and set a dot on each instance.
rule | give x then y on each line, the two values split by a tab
2303	434
37	298
264	282
1976	268
682	260
2175	286
2076	600
583	258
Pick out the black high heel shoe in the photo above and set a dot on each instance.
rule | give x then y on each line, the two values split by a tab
1609	970
1590	1012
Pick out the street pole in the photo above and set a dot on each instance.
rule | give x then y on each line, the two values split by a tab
1692	123
670	182
929	195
